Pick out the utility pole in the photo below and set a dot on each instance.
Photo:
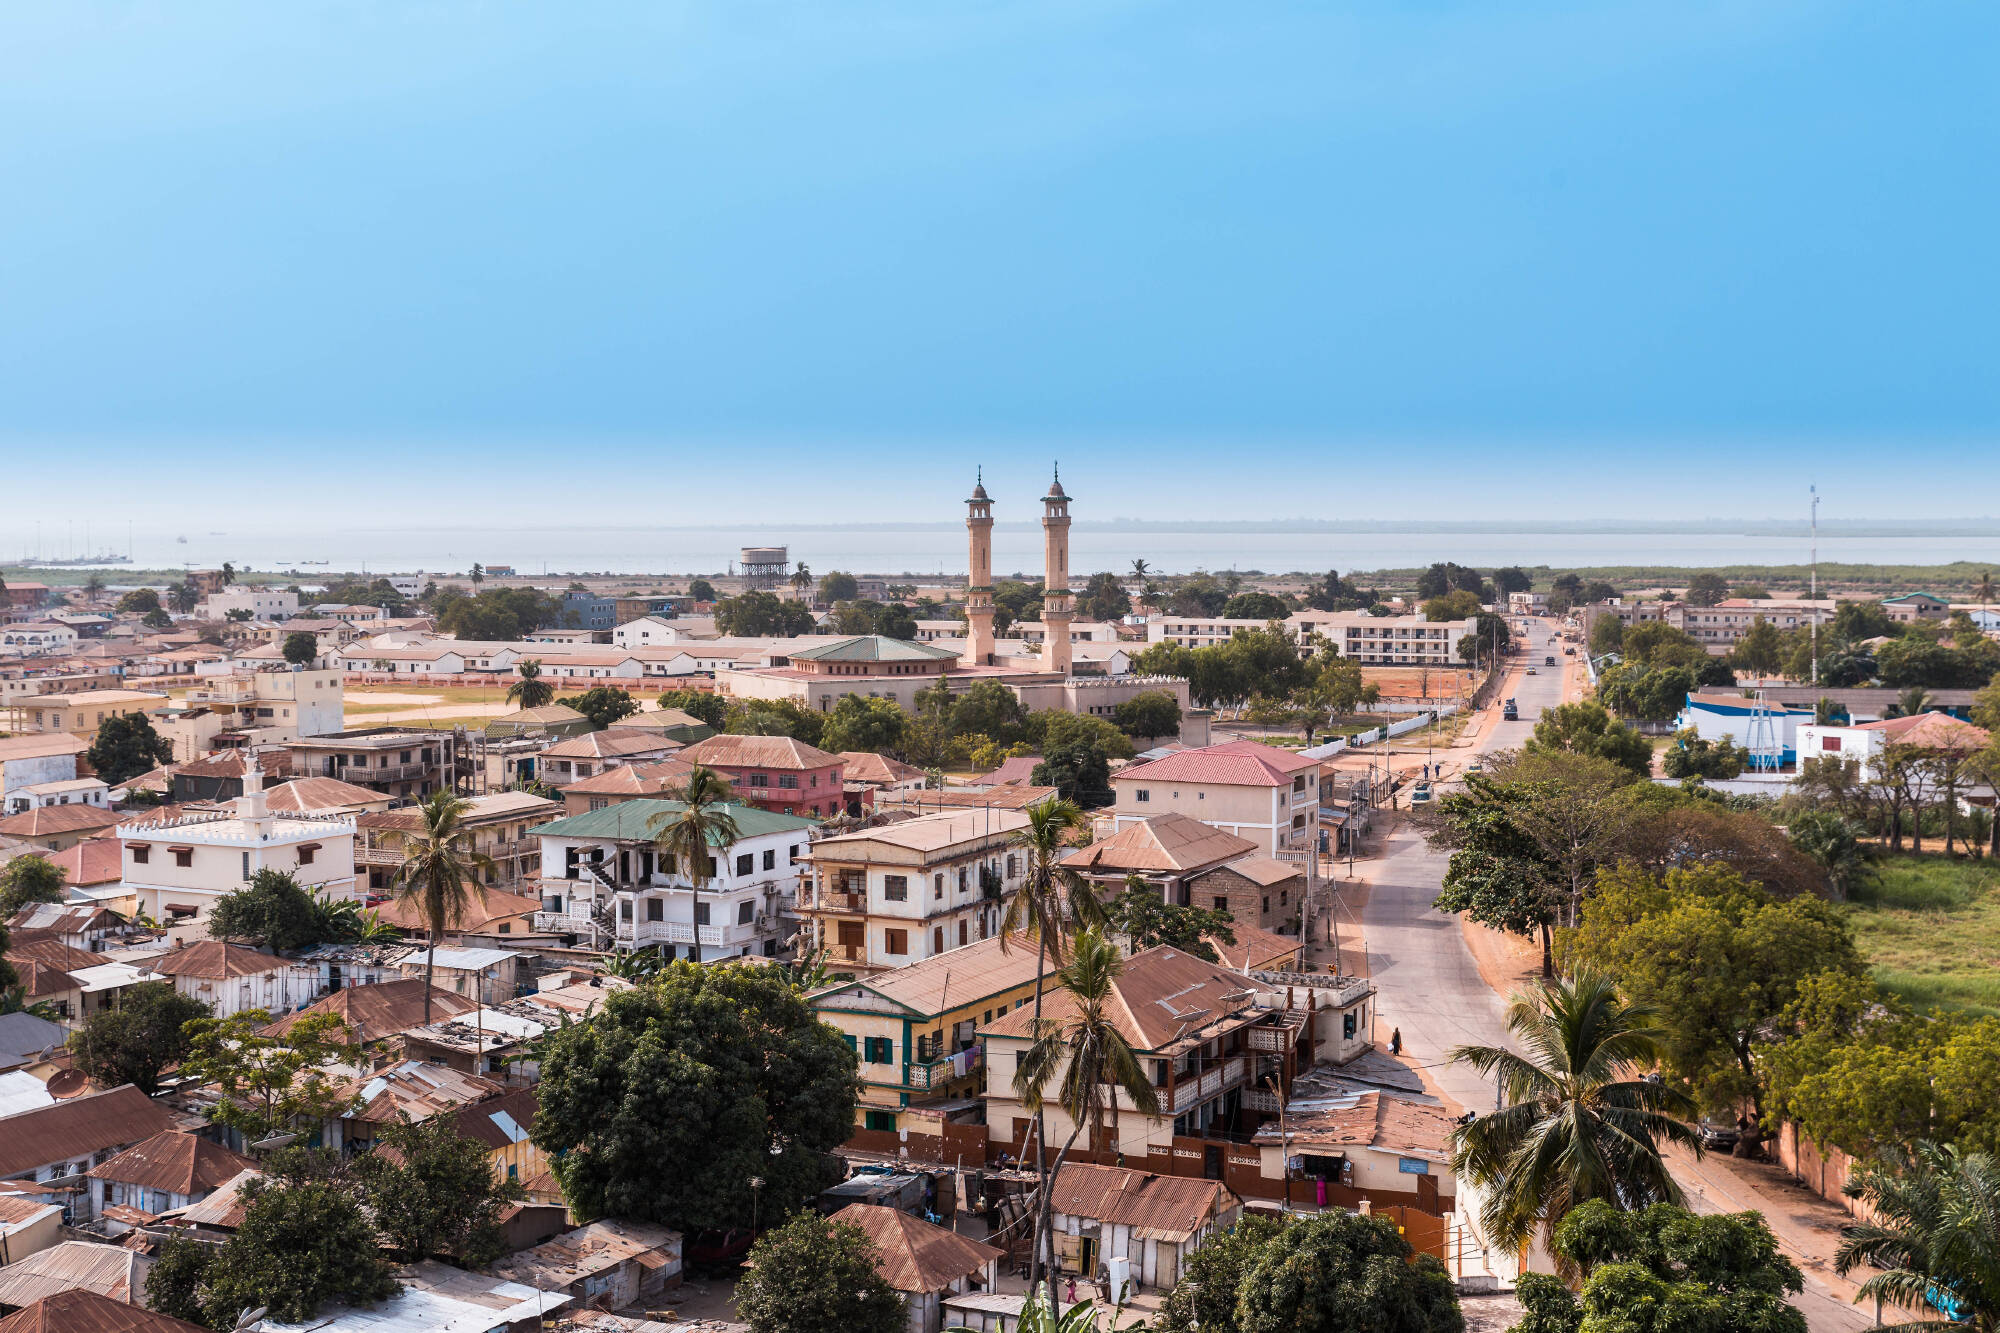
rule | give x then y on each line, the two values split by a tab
1813	620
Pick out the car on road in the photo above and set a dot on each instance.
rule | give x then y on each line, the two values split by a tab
1717	1134
1510	713
1475	768
1420	795
1531	671
1569	652
1550	660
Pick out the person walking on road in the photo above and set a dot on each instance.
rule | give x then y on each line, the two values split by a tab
1396	1041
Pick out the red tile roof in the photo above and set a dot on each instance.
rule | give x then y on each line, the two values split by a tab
1161	843
772	752
1235	764
1930	731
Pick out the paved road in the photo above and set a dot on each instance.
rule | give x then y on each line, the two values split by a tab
1427	984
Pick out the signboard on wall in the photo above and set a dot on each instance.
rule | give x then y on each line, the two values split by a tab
1413	1166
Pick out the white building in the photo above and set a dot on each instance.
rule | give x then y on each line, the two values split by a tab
652	631
31	761
606	882
261	603
264	705
885	897
1864	742
1389	640
37	637
1196	631
178	866
1770	731
74	791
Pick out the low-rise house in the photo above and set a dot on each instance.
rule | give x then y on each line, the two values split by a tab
1167	851
607	884
56	1145
494	919
1865	743
672	723
1211	1041
379	1013
486	975
611	1263
1141	1223
27	1039
879	771
227	774
593	752
28	761
65	791
926	1264
169	1170
396	761
1256	890
412	1090
1259	792
230	979
56	828
29	1225
503	1123
437	1298
81	713
87	926
557	720
627	782
324	796
778	774
79	1310
1350	1143
915	1030
884	897
501	826
1257	950
1913	607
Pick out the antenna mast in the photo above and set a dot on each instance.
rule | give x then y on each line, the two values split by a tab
1813	619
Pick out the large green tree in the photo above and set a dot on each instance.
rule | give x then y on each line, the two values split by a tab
435	1194
1664	1270
1717	958
1212	1277
126	747
1146	919
1150	714
135	1041
271	1084
818	1275
1338	1272
27	879
676	1092
873	726
1585	728
602	704
1498	875
300	647
305	1242
273	911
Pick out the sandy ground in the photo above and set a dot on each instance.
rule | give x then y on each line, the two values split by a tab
438	708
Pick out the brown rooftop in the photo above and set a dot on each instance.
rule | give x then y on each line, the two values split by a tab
80	1310
80	1127
914	1255
54	820
774	752
1169	1206
381	1010
634	779
175	1162
1162	996
1160	844
215	960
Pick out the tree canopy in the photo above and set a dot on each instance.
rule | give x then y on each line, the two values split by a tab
602	704
27	879
1586	729
1338	1272
135	1041
435	1194
127	746
272	910
817	1275
1145	919
674	1093
757	614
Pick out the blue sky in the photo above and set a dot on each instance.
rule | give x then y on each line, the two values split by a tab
1224	260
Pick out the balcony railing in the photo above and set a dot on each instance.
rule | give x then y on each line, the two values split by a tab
838	902
937	1073
562	922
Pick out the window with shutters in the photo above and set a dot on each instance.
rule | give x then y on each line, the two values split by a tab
896	888
896	941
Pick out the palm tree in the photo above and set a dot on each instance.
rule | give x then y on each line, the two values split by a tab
1051	900
802	578
530	691
93	584
1984	592
1140	569
438	864
228	573
1089	1054
1579	1123
185	595
1934	1235
1913	700
706	821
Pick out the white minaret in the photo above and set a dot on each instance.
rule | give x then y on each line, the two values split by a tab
1056	611
979	577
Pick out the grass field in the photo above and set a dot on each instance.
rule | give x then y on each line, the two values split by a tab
1930	929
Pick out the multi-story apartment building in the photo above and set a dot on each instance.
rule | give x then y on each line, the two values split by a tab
1721	627
1196	631
915	1029
1389	640
886	897
1259	792
254	707
606	884
178	866
503	826
259	603
395	761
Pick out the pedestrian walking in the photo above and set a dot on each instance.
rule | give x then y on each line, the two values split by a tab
1396	1041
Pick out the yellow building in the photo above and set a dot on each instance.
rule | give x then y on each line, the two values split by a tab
915	1029
80	713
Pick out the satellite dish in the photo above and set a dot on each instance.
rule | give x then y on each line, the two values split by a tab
68	1083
